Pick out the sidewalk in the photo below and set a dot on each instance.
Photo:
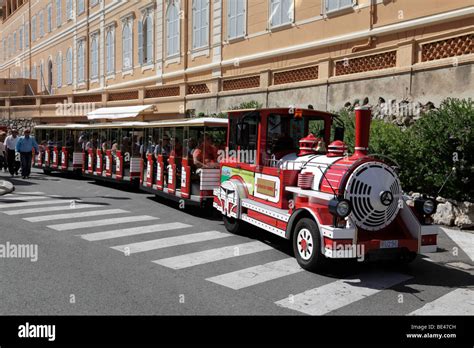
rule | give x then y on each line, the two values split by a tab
6	187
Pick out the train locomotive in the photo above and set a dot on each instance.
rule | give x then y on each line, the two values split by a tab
282	174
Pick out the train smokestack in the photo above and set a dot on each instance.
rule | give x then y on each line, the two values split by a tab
363	115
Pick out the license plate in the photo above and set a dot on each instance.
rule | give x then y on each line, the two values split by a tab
385	244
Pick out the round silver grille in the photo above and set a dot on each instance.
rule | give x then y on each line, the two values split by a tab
374	192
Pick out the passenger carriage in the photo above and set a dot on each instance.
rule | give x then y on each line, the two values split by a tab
285	176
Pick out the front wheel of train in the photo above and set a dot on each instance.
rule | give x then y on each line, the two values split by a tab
233	225
307	245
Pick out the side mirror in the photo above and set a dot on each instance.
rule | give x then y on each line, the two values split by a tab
243	134
339	133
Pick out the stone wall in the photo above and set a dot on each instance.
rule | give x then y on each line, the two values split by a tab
20	124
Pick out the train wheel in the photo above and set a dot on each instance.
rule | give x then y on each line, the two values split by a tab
307	245
233	225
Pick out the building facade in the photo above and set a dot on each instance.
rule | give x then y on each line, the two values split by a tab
209	55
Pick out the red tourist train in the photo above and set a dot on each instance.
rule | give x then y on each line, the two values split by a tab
276	169
284	176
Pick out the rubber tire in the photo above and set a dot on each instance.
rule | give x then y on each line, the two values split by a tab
317	261
233	225
47	171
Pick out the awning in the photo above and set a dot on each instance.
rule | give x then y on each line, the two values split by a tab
118	112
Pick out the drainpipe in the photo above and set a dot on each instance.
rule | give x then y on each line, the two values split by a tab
371	39
185	59
87	49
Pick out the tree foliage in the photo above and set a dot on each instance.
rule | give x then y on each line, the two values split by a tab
427	152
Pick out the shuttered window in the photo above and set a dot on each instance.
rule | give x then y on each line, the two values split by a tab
59	67
200	23
94	57
127	48
49	18
80	62
281	12
110	52
235	18
69	9
335	5
172	30
59	15
69	66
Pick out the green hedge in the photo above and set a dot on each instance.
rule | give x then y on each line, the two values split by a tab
427	151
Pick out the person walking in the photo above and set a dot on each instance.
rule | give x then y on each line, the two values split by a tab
10	145
25	147
3	152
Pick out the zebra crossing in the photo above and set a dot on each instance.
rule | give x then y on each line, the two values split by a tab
37	207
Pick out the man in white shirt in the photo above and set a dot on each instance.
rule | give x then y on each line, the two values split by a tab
10	144
3	152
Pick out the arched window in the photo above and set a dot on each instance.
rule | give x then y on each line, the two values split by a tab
50	18
80	61
172	30
127	47
235	18
110	52
145	40
59	15
27	35
59	66
200	23
20	39
69	66
69	12
33	28
94	57
41	23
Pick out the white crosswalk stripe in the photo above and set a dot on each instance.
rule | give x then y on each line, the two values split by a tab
76	215
66	207
335	295
133	231
31	204
456	302
212	255
258	274
97	223
464	240
27	198
170	242
27	193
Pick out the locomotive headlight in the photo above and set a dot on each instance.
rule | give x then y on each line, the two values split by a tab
429	207
340	208
425	206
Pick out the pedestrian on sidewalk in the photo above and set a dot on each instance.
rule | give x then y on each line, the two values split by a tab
25	147
10	145
3	152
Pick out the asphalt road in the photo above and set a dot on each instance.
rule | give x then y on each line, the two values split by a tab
79	271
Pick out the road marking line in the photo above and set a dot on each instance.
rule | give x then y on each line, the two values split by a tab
96	223
26	193
465	240
30	204
170	242
28	198
258	274
335	295
207	256
456	302
133	231
65	207
76	215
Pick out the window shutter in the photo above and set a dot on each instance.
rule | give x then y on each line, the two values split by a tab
240	30
196	23
140	42
275	13
149	40
58	13
287	11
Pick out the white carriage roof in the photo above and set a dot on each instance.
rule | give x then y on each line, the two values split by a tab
115	113
202	121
